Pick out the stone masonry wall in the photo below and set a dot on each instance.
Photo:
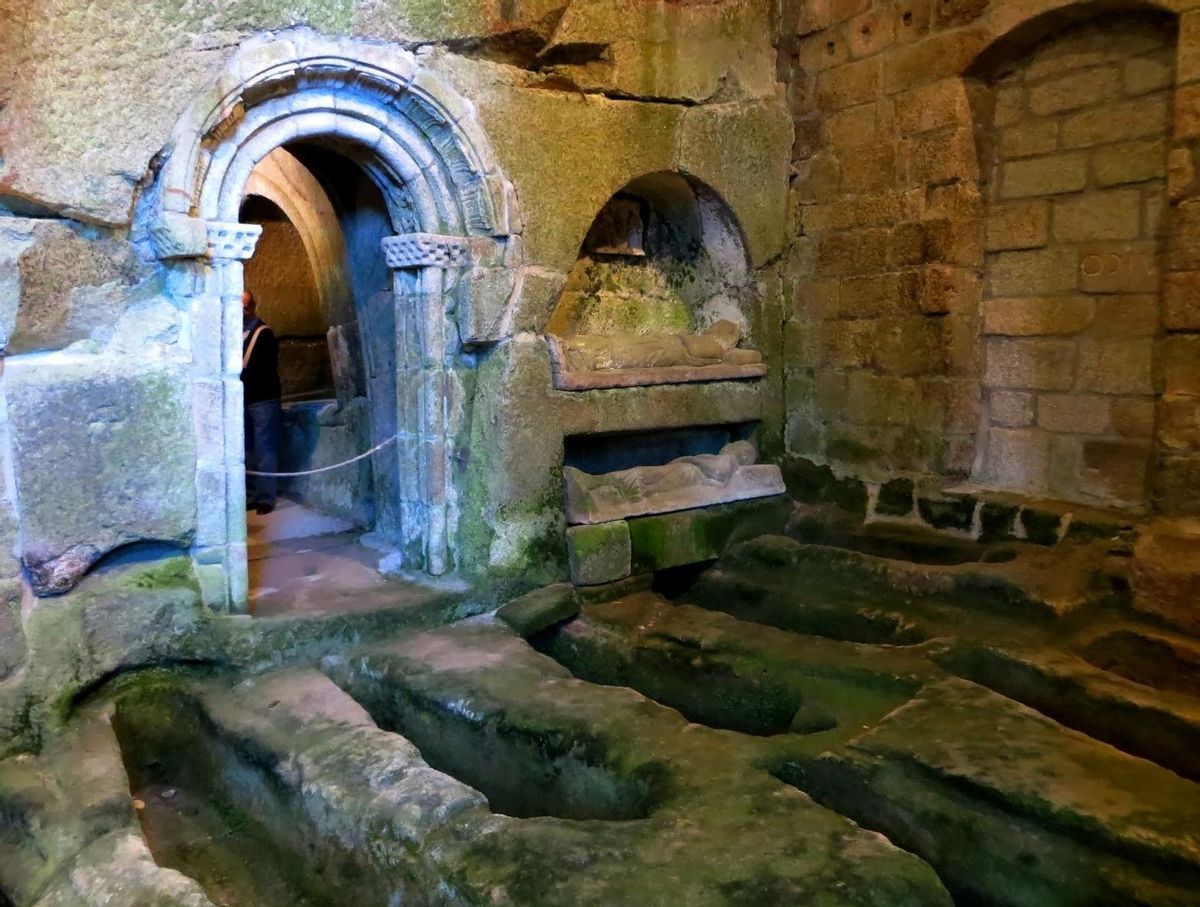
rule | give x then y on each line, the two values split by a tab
1073	139
995	228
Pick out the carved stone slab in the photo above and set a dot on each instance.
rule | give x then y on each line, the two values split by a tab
425	250
566	379
757	481
179	236
232	241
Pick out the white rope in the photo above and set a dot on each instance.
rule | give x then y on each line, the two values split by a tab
313	472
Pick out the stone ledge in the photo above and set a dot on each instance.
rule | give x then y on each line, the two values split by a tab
660	406
967	512
567	380
755	481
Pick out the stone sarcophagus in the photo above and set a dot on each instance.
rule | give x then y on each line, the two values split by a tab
682	484
592	361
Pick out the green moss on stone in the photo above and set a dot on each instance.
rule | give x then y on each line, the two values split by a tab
539	610
895	498
948	513
170	573
997	521
815	483
693	536
1041	526
599	553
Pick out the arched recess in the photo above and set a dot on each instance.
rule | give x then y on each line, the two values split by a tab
1072	114
665	253
452	213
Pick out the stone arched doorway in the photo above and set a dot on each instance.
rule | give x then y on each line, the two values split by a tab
450	211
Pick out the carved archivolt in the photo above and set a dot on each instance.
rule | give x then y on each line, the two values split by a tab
412	126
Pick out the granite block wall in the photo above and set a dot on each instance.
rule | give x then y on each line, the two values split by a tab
993	245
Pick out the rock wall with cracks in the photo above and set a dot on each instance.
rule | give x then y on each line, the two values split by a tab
117	396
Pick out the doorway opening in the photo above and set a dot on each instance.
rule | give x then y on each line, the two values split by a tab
321	284
402	162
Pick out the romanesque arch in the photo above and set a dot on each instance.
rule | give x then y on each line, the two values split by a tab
452	213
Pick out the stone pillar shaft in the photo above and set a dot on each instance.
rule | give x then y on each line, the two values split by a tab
210	257
421	262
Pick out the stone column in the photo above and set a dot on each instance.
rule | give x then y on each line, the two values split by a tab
426	269
205	260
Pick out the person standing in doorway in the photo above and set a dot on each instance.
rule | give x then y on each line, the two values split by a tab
263	406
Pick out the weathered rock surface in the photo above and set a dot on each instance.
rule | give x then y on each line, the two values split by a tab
104	455
847	595
540	609
119	619
462	758
324	798
481	703
668	540
70	837
59	283
1157	724
1011	807
599	553
642	49
52	118
726	673
12	635
1166	573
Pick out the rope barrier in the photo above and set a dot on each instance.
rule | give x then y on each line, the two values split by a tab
313	472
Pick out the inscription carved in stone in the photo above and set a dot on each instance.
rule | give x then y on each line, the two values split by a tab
1118	269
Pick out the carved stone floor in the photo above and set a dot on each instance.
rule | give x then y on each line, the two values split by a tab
798	724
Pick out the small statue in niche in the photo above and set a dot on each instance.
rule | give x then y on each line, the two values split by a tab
600	352
693	481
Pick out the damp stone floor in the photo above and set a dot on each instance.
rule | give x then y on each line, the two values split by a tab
797	724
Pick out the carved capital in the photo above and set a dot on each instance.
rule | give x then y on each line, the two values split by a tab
232	241
178	236
426	250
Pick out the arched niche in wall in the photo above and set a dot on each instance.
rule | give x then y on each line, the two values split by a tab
1073	127
662	291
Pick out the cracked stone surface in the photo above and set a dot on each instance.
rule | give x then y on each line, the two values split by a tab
888	743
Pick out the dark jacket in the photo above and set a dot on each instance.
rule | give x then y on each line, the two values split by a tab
260	375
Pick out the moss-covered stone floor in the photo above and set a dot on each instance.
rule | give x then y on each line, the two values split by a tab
798	724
